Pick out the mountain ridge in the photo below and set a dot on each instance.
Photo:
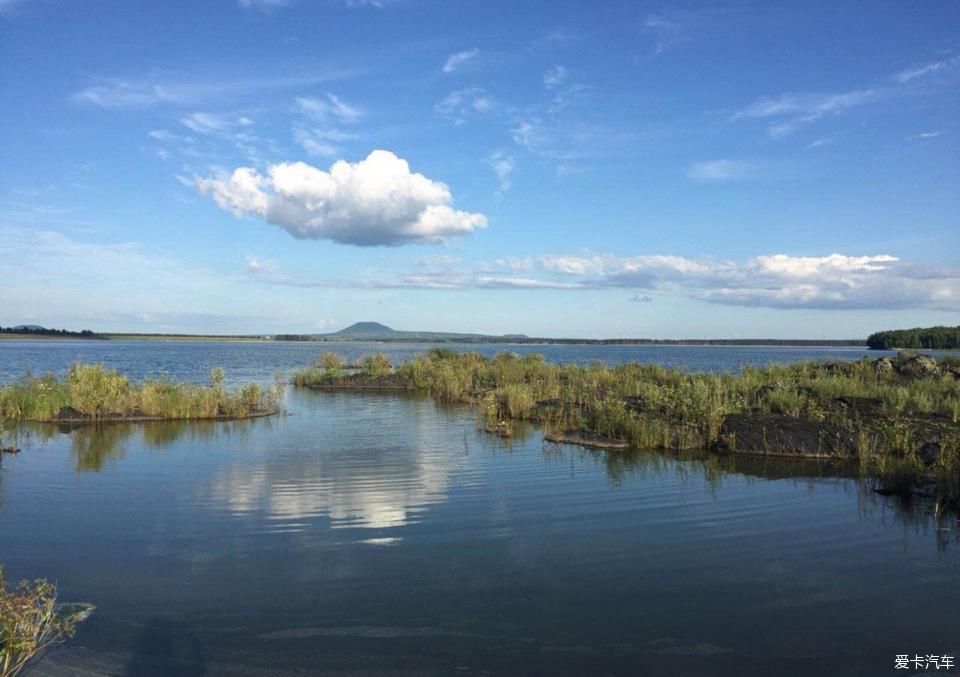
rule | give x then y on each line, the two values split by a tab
378	331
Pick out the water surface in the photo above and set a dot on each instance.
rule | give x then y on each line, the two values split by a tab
384	534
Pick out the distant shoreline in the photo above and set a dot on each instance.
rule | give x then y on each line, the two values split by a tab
773	343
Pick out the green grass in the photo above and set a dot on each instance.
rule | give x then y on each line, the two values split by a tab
651	406
98	393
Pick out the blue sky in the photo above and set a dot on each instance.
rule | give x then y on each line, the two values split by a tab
556	169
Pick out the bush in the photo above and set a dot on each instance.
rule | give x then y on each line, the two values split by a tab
331	363
375	365
32	621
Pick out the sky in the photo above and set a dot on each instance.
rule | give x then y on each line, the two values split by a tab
568	169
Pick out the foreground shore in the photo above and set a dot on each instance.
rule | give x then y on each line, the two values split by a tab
898	419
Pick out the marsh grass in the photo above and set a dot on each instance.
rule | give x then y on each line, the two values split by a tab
653	407
97	393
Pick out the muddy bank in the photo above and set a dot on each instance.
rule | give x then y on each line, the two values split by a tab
586	438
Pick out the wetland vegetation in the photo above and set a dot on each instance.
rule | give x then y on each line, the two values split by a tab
898	419
93	393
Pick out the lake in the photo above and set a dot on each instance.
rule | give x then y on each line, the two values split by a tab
376	534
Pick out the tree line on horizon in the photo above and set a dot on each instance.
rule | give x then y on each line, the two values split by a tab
42	331
934	338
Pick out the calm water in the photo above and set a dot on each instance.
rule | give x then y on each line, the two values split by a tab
244	362
383	534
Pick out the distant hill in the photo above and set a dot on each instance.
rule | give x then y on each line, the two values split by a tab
374	331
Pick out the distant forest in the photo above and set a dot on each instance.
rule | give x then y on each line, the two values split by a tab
42	331
942	338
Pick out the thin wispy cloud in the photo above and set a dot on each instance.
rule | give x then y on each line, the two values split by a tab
214	124
330	107
321	132
149	91
925	135
666	31
264	5
922	70
787	113
455	61
557	81
462	104
790	112
502	166
720	170
376	201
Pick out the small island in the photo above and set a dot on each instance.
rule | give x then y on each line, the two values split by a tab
90	393
896	418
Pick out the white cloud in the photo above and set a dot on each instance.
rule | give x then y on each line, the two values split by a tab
666	31
321	142
376	201
835	281
264	5
321	136
151	90
463	103
502	166
330	107
163	135
454	61
719	170
789	112
925	135
554	77
781	281
213	124
557	81
922	70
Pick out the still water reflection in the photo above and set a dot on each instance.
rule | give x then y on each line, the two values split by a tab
375	534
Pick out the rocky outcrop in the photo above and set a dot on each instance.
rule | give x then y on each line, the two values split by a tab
362	381
884	366
917	366
779	435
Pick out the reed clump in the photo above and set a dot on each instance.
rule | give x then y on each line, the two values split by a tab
93	392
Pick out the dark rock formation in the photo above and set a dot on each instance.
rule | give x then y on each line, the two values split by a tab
776	434
918	366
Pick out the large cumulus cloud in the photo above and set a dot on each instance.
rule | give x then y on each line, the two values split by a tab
376	201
